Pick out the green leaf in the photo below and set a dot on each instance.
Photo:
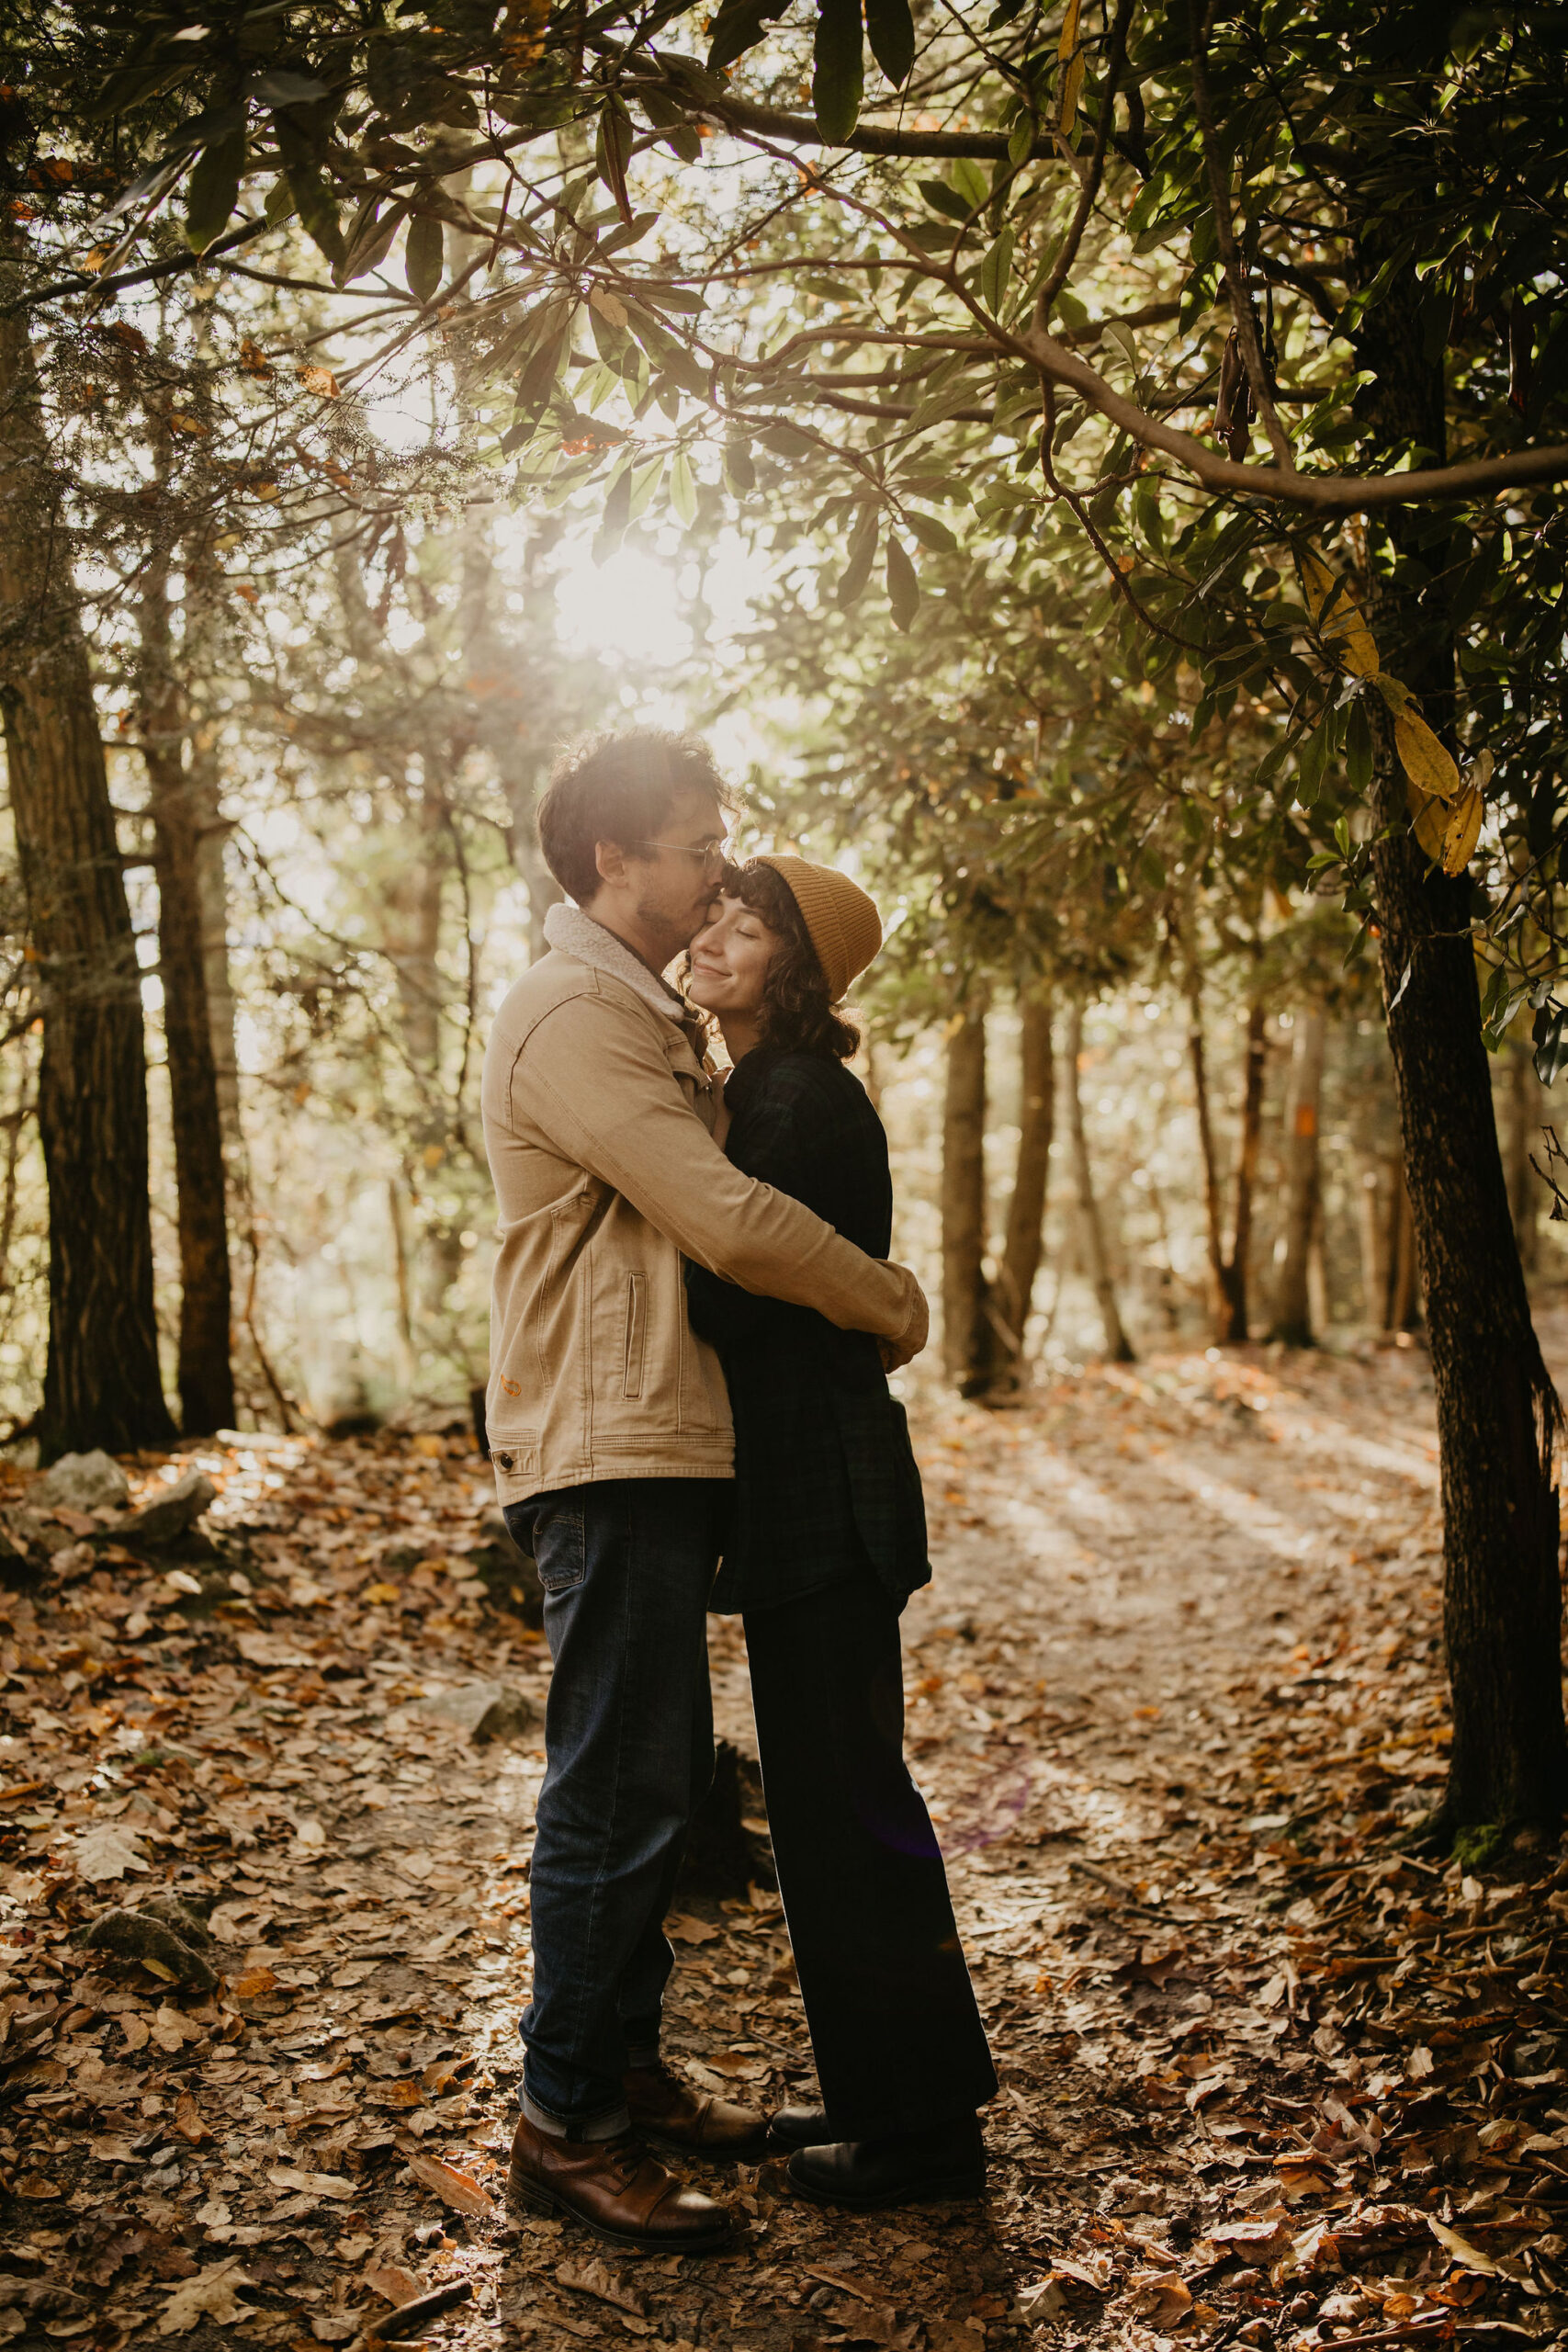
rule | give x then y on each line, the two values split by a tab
301	147
839	71
739	27
1021	142
971	182
645	482
425	251
670	356
891	31
739	473
214	190
995	271
616	517
863	555
944	199
683	489
930	532
903	585
613	152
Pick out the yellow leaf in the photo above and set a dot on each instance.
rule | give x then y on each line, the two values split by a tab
1336	616
1072	83
1463	831
1431	825
320	379
1071	56
1427	764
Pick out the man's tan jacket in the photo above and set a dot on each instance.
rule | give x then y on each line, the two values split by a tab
598	1119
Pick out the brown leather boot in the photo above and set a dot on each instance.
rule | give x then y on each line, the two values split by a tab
617	2187
674	2112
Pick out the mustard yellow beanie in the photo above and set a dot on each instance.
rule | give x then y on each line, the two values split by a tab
841	919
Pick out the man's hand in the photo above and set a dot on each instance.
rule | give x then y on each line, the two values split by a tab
916	1331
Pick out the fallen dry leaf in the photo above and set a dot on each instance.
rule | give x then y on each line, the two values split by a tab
103	1851
392	2284
458	2189
598	2279
311	2183
683	1931
188	2122
210	2295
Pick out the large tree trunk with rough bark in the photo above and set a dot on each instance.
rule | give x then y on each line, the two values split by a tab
1096	1263
964	1325
1013	1291
1499	1415
204	1379
1292	1306
102	1386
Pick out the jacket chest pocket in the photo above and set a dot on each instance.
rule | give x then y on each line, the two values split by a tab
635	1335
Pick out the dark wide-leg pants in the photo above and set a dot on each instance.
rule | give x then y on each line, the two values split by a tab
895	2029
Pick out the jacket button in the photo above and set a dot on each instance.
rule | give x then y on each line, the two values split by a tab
501	1461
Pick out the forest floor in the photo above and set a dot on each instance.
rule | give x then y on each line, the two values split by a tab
1173	1694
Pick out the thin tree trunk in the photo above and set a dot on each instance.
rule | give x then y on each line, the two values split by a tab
1013	1294
1293	1310
1118	1347
102	1385
1234	1320
1499	1415
1214	1214
1228	1271
964	1201
1369	1236
206	1379
1401	1313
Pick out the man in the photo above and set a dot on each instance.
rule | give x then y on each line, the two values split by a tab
610	1433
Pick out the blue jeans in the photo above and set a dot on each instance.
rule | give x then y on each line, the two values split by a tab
627	1565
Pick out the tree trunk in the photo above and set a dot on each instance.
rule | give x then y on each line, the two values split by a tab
102	1386
963	1202
1214	1214
1013	1294
206	1379
1118	1347
1229	1272
1293	1310
1369	1236
1499	1415
1524	1130
1234	1279
1402	1312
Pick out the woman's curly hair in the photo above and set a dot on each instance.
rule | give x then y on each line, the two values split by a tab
798	1010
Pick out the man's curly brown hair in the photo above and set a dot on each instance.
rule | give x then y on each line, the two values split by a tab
798	1012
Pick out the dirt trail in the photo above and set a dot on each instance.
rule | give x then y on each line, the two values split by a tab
1173	1692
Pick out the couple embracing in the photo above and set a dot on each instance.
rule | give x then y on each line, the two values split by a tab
688	1409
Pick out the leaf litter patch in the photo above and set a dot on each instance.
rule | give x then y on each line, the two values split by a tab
1174	1695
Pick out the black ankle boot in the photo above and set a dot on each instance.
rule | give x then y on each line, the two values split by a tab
798	2127
902	2168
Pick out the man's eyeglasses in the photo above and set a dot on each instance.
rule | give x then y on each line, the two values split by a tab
711	856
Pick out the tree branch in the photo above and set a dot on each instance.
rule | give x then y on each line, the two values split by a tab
867	138
1333	493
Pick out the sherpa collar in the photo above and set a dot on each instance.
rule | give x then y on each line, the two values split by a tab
575	933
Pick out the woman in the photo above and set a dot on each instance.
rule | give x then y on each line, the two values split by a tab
829	1540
